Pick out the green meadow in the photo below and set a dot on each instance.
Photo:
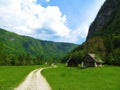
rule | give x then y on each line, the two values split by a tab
67	78
64	78
11	76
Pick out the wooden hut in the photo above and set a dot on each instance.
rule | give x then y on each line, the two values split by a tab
90	60
71	62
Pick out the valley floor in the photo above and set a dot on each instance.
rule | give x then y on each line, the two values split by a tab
12	76
60	78
70	78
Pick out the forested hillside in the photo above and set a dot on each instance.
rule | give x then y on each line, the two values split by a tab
23	50
103	37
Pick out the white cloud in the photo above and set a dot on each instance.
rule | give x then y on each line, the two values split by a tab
81	31
47	0
25	17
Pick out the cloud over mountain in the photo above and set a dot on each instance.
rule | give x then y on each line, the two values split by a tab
27	17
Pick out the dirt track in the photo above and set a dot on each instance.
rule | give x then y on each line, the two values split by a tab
34	81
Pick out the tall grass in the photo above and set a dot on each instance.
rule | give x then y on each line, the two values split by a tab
11	76
66	78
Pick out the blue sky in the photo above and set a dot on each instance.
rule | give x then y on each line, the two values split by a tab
52	20
73	9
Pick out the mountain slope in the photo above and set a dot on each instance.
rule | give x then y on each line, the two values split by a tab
103	37
107	20
16	47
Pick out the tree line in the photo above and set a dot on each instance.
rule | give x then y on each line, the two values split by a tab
22	59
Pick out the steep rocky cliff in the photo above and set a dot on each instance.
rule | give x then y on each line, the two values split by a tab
104	35
106	15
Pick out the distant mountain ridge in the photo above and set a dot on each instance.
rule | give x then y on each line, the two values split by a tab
13	46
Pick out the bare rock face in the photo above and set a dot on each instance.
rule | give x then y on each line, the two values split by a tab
104	16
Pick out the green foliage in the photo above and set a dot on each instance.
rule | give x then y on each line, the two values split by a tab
108	42
113	49
77	56
114	58
116	42
68	78
93	45
23	50
40	60
107	48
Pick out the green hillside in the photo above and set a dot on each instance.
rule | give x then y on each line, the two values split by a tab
19	50
103	37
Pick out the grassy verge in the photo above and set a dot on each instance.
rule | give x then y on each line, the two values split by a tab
66	78
11	76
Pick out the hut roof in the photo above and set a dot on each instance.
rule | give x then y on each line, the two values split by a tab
71	59
68	60
97	59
